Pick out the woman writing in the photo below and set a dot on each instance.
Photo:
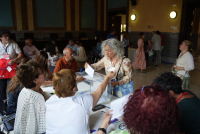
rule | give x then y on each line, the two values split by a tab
185	63
150	110
140	62
114	60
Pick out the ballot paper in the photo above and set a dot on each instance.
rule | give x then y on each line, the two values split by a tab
89	70
118	105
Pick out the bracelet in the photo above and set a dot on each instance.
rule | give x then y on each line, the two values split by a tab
102	129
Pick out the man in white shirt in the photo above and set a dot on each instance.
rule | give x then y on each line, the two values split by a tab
156	46
9	50
29	49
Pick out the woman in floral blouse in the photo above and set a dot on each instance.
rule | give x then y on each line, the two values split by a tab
113	52
52	55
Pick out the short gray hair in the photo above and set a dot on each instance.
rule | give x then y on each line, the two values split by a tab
115	45
65	50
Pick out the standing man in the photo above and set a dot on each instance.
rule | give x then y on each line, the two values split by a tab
29	49
72	46
10	50
111	35
67	61
156	47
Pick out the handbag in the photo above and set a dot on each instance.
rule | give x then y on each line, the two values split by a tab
6	71
123	90
176	72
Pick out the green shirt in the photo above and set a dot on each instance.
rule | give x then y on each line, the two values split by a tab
190	114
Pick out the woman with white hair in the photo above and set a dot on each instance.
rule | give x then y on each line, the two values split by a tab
114	60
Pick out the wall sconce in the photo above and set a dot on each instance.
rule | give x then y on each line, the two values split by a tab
173	14
133	17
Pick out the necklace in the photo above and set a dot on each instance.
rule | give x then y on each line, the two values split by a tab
185	93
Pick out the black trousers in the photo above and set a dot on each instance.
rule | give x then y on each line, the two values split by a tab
3	87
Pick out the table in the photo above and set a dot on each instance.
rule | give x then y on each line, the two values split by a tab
131	54
96	117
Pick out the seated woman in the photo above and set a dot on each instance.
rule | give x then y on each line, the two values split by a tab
113	52
67	114
30	115
188	102
56	47
81	55
42	58
52	55
150	110
14	89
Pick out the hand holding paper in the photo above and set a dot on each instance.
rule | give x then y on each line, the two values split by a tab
89	70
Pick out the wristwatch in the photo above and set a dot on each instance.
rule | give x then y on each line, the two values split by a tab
102	129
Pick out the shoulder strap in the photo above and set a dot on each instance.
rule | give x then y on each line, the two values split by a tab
120	67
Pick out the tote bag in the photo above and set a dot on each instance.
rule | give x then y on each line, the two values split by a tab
120	91
6	71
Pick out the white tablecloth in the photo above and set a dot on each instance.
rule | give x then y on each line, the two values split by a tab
131	54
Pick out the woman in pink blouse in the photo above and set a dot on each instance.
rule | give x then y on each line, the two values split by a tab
113	52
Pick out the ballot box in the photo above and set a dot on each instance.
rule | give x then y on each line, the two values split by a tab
90	84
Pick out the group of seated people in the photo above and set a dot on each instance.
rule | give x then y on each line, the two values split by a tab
79	53
161	108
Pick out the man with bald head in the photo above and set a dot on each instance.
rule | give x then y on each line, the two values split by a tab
67	61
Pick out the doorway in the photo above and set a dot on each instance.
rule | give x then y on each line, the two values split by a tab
117	21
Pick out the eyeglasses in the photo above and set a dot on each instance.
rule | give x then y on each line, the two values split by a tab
151	87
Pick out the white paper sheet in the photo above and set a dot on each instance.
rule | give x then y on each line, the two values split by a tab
89	70
117	106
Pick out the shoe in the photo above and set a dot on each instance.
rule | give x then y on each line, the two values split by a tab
142	72
156	66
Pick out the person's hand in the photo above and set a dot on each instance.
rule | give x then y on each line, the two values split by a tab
86	65
114	83
111	74
106	120
11	62
80	79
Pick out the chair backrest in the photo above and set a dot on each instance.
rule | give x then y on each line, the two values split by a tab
1	106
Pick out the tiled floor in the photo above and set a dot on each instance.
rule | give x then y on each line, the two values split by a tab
146	79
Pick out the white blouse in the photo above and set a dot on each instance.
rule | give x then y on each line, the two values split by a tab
30	115
186	61
52	60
